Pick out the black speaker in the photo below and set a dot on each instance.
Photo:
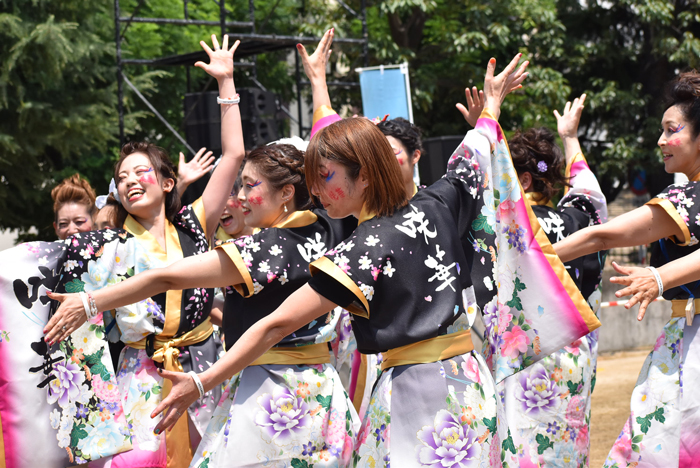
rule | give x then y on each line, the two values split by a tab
433	164
258	115
203	121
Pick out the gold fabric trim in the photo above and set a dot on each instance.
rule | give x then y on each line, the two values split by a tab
678	307
430	350
171	254
415	190
668	207
360	384
365	215
296	355
231	250
166	348
297	219
177	438
321	112
221	235
567	172
327	266
536	198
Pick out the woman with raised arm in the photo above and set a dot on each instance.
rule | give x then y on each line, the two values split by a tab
170	330
405	275
547	407
271	265
663	426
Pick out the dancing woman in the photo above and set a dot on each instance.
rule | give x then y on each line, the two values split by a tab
662	427
405	274
270	265
170	330
73	206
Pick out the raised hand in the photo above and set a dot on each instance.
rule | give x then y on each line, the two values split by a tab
640	284
69	317
189	172
475	104
567	124
496	88
220	64
315	64
181	396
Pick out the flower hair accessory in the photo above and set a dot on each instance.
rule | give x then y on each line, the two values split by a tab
542	166
377	120
101	201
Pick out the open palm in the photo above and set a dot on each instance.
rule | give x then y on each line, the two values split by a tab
220	64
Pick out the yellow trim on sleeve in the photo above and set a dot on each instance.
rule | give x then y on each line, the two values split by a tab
360	383
553	259
327	266
668	207
232	252
321	112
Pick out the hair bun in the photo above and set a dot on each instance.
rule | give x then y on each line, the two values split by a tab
73	189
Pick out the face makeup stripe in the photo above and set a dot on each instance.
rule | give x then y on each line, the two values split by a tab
330	176
678	129
255	184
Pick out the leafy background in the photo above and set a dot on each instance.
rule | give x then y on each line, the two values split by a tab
58	96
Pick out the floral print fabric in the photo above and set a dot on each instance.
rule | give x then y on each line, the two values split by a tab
662	429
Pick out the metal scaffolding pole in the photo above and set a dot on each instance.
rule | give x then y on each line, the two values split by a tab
120	90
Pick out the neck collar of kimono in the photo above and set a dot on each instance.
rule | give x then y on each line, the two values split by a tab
415	190
222	235
696	178
536	198
365	215
297	219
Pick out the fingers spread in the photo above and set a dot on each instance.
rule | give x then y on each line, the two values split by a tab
206	48
224	43
511	66
234	47
215	42
463	110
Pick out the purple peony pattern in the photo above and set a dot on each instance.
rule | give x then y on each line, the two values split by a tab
283	415
448	443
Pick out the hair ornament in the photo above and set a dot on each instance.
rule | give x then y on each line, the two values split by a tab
377	120
542	166
295	141
101	201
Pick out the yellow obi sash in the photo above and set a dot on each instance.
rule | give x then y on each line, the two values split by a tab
678	307
166	348
430	350
296	355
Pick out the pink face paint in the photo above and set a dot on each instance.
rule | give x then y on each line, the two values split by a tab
236	203
336	194
148	177
256	200
674	142
400	161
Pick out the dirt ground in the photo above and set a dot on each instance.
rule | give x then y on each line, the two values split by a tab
610	403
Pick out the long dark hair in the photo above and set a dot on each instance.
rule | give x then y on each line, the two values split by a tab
162	166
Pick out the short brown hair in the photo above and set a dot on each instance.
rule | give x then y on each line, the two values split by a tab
357	143
282	164
162	166
535	151
73	189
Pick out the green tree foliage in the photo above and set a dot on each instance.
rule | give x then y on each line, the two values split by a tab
58	111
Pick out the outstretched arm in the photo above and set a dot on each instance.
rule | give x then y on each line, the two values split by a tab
641	284
496	88
315	69
219	188
210	270
640	226
303	306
